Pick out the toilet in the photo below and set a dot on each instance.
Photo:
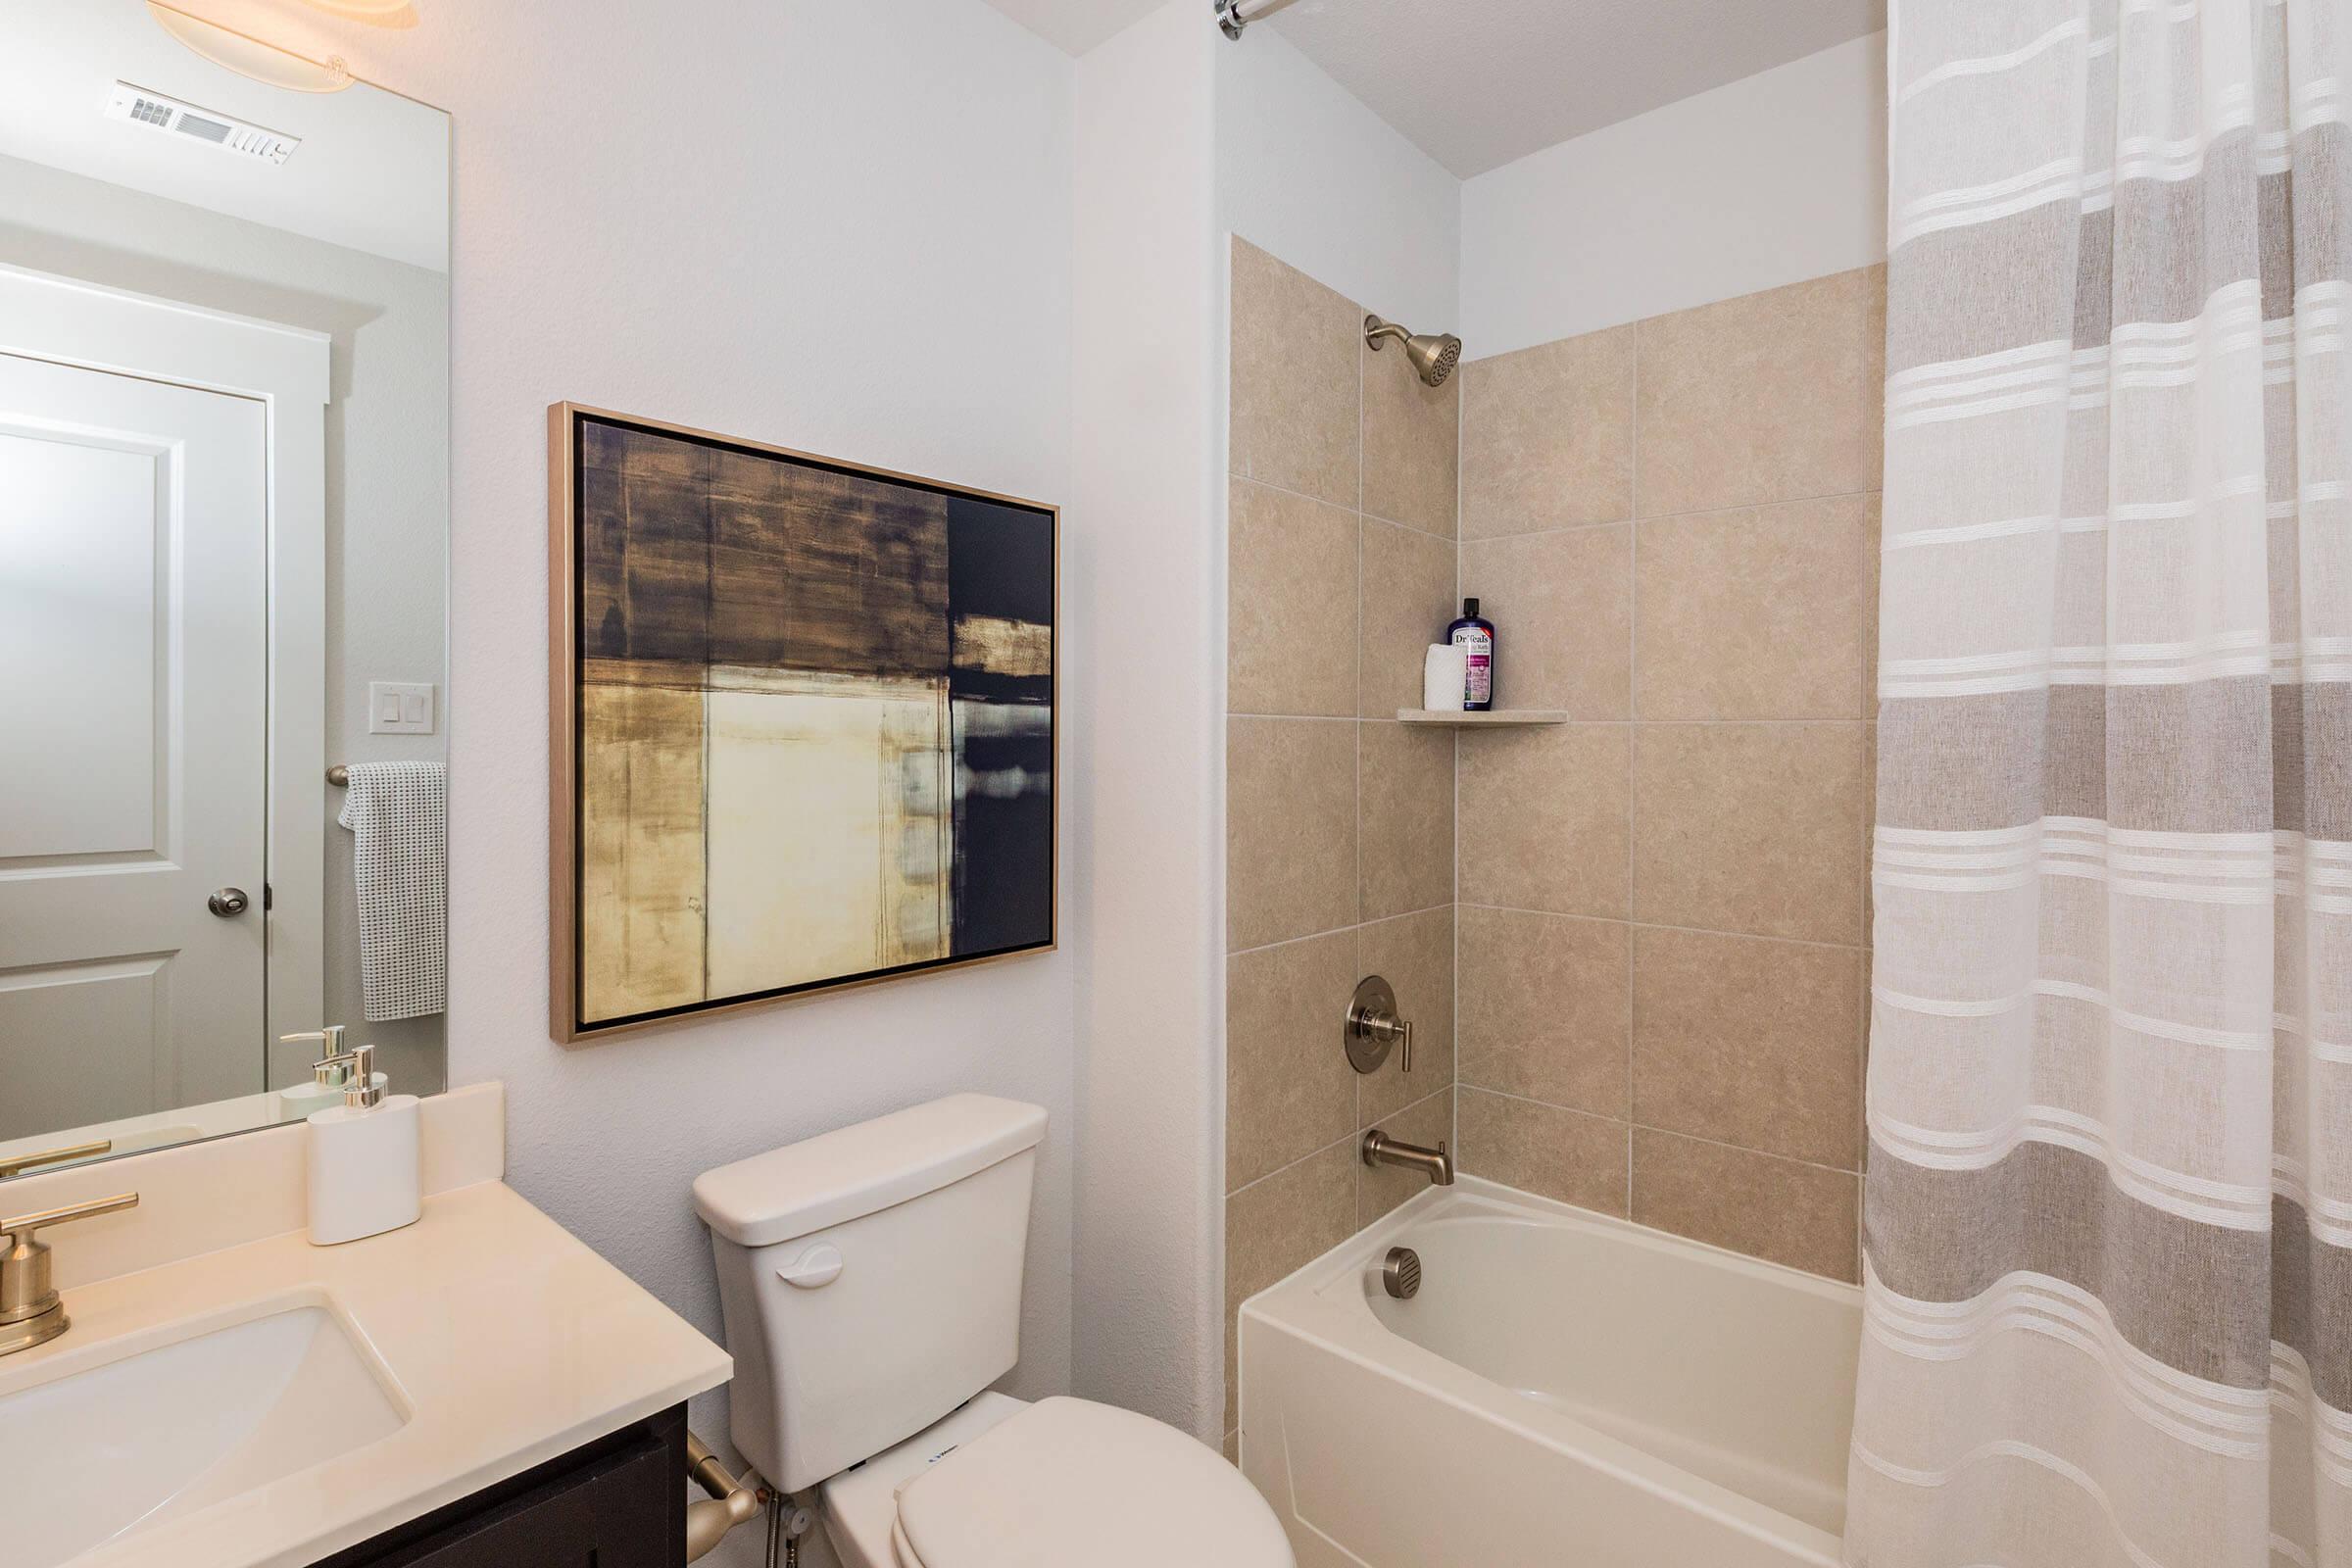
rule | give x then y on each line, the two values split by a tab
871	1280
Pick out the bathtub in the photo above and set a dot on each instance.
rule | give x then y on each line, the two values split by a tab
1566	1390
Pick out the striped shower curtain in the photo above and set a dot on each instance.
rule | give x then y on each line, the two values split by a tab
2108	1282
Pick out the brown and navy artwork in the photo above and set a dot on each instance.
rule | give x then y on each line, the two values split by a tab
815	727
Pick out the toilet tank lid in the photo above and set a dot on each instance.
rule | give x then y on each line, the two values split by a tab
842	1175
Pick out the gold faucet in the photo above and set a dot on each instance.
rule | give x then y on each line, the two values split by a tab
31	1310
1382	1149
19	1164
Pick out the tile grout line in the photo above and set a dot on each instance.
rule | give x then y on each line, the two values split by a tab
1363	419
1461	485
1660	1225
1873	567
1358	510
1633	737
1355	717
1315	719
1454	802
1847	719
1774	504
1632	1124
1221	1260
1664	925
1228	1391
1340	931
1345	1140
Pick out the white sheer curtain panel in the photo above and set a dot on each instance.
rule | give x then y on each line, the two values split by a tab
2109	1216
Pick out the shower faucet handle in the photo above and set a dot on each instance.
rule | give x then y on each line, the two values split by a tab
1373	1027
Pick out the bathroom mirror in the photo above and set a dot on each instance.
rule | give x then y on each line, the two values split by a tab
223	530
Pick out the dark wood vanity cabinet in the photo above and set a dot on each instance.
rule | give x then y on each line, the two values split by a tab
617	1503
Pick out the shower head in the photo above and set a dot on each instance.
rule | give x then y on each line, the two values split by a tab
1433	357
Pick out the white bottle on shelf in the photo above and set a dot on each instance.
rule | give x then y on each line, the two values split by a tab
362	1157
1445	677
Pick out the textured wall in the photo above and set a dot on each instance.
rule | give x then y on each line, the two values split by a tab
1772	180
1339	819
1308	172
1145	762
1673	525
845	228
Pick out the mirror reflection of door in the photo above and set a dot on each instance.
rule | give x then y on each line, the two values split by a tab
224	507
135	630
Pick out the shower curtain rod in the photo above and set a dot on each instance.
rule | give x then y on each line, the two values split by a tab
1235	14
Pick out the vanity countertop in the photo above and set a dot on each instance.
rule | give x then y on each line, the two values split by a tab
507	1341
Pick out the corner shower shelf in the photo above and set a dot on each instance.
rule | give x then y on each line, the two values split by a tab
1493	717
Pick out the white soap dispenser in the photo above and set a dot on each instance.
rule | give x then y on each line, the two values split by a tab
363	1155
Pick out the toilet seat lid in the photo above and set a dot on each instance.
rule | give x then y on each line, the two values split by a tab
1068	1481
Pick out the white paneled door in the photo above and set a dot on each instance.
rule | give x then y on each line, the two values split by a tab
135	572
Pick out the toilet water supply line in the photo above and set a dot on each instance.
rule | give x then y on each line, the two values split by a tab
731	1502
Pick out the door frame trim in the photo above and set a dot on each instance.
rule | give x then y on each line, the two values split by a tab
66	320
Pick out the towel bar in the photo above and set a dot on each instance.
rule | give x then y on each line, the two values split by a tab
338	775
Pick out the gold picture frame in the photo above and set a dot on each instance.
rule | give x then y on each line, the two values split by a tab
850	660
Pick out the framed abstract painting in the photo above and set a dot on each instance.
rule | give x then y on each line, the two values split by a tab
803	724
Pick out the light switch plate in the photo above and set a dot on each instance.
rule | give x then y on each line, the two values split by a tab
400	708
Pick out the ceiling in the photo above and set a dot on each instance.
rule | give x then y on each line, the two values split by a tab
1476	83
371	173
1077	26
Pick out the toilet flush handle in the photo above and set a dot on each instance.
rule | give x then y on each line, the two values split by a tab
820	1265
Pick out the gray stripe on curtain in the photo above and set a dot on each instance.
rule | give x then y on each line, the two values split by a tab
1982	299
2052	1209
2007	759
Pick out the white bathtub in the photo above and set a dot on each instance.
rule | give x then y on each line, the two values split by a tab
1567	1391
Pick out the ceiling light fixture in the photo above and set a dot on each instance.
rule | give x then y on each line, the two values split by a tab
250	56
374	12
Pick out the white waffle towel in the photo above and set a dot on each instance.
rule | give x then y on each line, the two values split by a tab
400	860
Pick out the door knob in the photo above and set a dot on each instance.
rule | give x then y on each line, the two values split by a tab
227	903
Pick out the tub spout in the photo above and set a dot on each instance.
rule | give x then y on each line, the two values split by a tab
1382	1149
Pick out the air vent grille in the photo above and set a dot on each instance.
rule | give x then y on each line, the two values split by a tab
230	134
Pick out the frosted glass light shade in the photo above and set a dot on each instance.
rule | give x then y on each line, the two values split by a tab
375	12
250	56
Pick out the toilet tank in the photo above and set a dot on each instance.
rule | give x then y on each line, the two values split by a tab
871	1278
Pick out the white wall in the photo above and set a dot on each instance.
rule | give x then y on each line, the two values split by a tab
847	230
1768	180
1147	602
1307	173
841	228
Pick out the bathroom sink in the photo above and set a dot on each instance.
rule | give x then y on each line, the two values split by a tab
167	1424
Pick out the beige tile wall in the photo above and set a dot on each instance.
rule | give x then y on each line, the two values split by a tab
1673	525
1660	927
1341	567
